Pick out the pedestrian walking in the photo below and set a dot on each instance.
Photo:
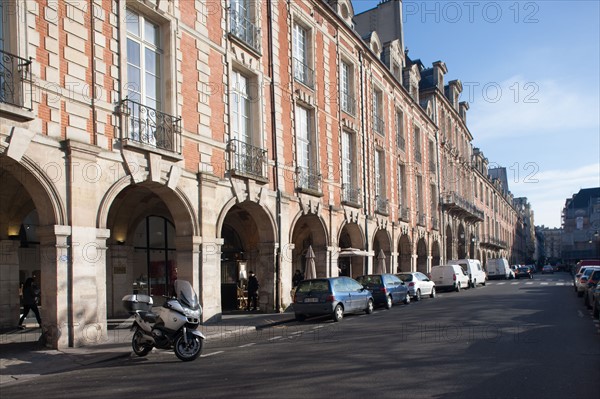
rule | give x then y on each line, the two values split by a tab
253	287
298	276
30	295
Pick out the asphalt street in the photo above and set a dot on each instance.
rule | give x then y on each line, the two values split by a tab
509	339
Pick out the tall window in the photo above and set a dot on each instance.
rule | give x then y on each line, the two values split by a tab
401	185
242	23
350	190
302	71
434	200
420	199
144	95
417	144
303	142
143	61
378	123
400	140
379	173
241	128
3	24
432	157
346	85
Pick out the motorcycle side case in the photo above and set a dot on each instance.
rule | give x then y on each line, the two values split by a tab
135	302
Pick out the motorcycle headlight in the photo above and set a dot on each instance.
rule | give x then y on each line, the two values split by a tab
191	313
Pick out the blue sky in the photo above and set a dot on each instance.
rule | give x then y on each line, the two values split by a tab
531	74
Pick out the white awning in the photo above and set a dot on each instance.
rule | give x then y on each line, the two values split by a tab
346	252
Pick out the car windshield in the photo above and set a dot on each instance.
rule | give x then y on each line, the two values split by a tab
313	286
186	294
369	280
405	277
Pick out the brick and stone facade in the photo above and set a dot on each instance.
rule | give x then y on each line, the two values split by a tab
150	140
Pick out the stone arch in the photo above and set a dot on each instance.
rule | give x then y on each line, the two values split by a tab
352	259
382	242
461	248
422	256
248	233
449	243
309	230
404	254
436	256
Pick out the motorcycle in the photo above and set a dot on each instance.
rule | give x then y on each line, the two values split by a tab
174	325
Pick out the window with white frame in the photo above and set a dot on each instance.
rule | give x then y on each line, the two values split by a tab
302	71
401	185
346	88
240	108
418	153
420	199
400	140
379	173
242	23
350	190
308	176
378	122
144	88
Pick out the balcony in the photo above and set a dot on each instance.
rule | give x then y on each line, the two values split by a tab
491	242
348	104
15	81
457	205
248	160
418	156
401	141
404	213
382	205
308	180
149	127
303	74
379	125
351	195
245	30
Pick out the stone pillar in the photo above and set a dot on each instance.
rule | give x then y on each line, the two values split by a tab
287	271
9	283
210	279
188	260
56	285
266	274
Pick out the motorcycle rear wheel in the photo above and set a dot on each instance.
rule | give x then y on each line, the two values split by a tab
137	344
188	352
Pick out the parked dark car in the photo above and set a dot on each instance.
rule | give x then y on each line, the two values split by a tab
596	302
387	289
523	272
588	289
333	296
547	269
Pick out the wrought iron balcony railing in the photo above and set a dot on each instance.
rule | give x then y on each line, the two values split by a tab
303	74
379	125
457	204
150	127
418	156
404	213
245	30
382	205
248	160
348	103
351	195
15	81
308	179
400	141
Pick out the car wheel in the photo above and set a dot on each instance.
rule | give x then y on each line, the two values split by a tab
484	283
406	298
300	317
457	287
418	295
474	284
370	307
338	313
433	293
388	302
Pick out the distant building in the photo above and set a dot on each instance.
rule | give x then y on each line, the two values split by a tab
550	244
581	226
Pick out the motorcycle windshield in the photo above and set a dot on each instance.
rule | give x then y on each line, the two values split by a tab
186	294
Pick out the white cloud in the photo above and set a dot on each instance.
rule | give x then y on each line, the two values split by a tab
519	106
547	191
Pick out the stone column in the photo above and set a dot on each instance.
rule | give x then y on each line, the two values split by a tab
210	279
56	284
9	283
188	260
267	279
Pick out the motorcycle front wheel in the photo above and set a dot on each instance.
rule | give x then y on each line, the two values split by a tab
138	345
190	351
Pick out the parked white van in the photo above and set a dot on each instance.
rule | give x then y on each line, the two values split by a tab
452	277
474	270
498	268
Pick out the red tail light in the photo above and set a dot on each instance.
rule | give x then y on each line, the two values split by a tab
329	298
411	284
383	290
454	277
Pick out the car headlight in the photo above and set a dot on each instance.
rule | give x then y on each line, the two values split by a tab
191	313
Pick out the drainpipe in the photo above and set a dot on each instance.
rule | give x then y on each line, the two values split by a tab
275	157
93	91
364	148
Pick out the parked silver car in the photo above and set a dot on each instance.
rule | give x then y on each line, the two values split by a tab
418	284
